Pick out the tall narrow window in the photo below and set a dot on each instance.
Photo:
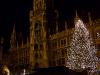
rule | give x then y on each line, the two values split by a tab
36	47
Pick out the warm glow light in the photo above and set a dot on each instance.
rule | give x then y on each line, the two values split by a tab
82	53
7	70
24	72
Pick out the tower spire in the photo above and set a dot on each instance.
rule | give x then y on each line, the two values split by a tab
76	16
13	37
57	16
89	16
65	25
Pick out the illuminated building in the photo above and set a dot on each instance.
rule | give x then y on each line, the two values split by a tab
20	53
43	49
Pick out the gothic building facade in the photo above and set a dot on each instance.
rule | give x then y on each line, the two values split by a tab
43	49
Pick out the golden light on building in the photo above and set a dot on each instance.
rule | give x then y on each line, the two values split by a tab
43	49
6	70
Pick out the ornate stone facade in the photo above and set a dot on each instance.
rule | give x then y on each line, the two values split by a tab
42	48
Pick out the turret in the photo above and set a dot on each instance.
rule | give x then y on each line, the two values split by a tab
57	16
90	21
65	25
76	16
13	38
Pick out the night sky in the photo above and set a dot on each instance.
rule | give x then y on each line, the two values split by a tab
17	12
14	12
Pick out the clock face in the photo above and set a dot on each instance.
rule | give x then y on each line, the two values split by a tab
38	30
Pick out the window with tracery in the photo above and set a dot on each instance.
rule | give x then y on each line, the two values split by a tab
38	30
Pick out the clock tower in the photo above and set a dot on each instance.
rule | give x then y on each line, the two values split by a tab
38	42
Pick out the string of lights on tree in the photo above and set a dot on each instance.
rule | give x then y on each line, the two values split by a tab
82	53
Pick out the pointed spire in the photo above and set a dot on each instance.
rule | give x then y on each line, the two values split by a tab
57	16
76	16
89	16
27	41
65	25
13	37
14	29
22	43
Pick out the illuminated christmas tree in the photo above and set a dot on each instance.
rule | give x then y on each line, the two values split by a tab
82	53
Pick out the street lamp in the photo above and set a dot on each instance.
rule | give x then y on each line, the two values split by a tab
24	73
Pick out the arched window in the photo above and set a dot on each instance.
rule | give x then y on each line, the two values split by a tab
37	29
36	47
38	25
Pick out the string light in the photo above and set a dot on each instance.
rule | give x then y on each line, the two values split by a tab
82	53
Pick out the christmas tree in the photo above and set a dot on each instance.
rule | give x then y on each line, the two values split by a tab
82	52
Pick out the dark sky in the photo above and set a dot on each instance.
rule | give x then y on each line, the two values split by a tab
17	12
14	12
